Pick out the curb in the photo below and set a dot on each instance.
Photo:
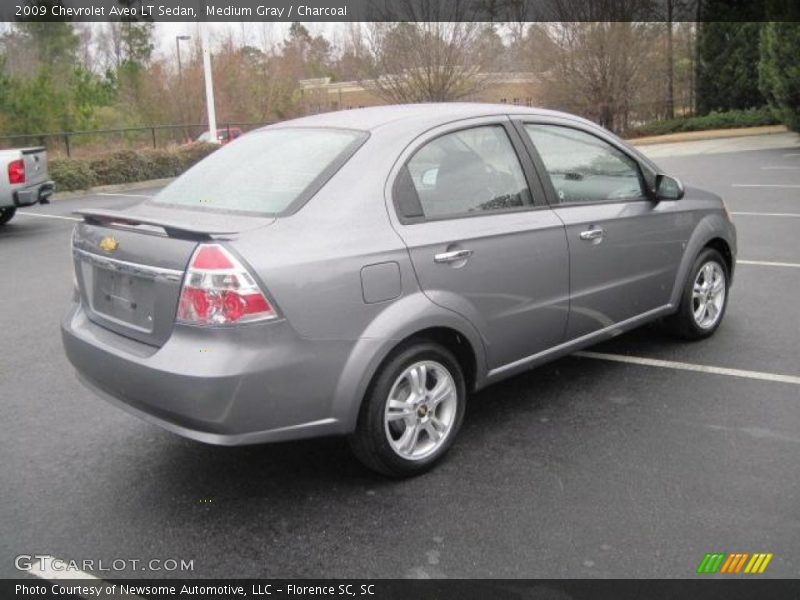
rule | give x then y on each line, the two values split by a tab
709	134
117	187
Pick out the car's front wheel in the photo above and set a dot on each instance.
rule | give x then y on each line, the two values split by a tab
411	412
7	213
704	299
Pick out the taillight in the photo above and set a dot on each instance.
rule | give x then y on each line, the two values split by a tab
16	171
218	290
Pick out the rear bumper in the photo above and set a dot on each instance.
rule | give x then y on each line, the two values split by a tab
34	194
247	385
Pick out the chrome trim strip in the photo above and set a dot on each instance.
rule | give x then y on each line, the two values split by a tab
580	341
123	266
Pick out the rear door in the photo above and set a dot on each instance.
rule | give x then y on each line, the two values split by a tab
481	238
624	248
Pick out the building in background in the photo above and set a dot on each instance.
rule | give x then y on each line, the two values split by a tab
323	95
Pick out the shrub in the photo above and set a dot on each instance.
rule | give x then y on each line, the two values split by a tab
120	167
71	174
164	163
126	166
753	117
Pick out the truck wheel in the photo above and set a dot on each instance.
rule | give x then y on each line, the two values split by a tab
7	213
704	298
412	411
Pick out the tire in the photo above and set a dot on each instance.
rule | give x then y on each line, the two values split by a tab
7	213
690	322
384	438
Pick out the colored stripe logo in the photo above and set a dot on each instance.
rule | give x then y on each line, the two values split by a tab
734	563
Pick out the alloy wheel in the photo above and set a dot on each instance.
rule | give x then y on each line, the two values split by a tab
708	295
420	410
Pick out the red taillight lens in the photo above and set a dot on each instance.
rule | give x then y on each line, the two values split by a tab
211	257
218	290
16	171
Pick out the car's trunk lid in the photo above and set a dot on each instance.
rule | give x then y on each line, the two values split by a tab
130	264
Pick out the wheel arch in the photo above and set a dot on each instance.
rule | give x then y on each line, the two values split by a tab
721	246
712	231
416	318
452	340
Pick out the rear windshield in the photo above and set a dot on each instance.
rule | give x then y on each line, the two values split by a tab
264	171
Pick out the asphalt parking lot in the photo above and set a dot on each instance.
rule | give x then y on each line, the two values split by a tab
586	467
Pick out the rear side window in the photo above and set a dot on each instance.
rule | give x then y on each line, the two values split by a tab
469	171
264	171
584	168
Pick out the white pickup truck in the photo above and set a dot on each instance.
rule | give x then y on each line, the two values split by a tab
23	180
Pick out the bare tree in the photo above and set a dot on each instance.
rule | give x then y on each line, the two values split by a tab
426	61
426	51
598	68
110	45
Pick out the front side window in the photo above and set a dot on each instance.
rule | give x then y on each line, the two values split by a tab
263	171
469	171
584	168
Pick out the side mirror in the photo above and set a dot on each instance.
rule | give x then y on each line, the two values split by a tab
668	188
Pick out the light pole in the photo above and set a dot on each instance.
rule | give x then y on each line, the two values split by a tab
178	40
212	114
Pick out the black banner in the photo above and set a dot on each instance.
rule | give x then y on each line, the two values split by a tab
396	589
400	10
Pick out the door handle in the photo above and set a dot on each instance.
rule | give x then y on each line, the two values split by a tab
593	234
452	256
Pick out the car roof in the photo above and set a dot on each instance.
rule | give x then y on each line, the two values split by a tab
373	117
403	122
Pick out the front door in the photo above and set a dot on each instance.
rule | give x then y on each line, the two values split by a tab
624	248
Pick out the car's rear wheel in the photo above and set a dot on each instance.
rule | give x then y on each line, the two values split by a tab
704	299
7	213
411	412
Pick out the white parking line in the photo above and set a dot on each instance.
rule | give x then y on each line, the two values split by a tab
682	366
30	214
757	214
765	263
124	195
765	185
779	168
791	154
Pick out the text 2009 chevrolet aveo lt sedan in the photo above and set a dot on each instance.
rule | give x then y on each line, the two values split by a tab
361	272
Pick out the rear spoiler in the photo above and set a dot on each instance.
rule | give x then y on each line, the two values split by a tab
174	229
32	150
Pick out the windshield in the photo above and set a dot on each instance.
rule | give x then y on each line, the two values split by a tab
263	171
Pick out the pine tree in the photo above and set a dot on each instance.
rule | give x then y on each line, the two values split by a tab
779	70
727	66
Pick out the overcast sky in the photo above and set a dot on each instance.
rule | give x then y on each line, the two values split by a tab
256	34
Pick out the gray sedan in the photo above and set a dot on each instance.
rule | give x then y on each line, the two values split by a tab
361	272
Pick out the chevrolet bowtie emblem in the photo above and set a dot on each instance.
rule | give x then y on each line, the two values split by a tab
109	244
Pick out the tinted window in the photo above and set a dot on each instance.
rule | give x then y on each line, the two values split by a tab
263	171
584	168
468	171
